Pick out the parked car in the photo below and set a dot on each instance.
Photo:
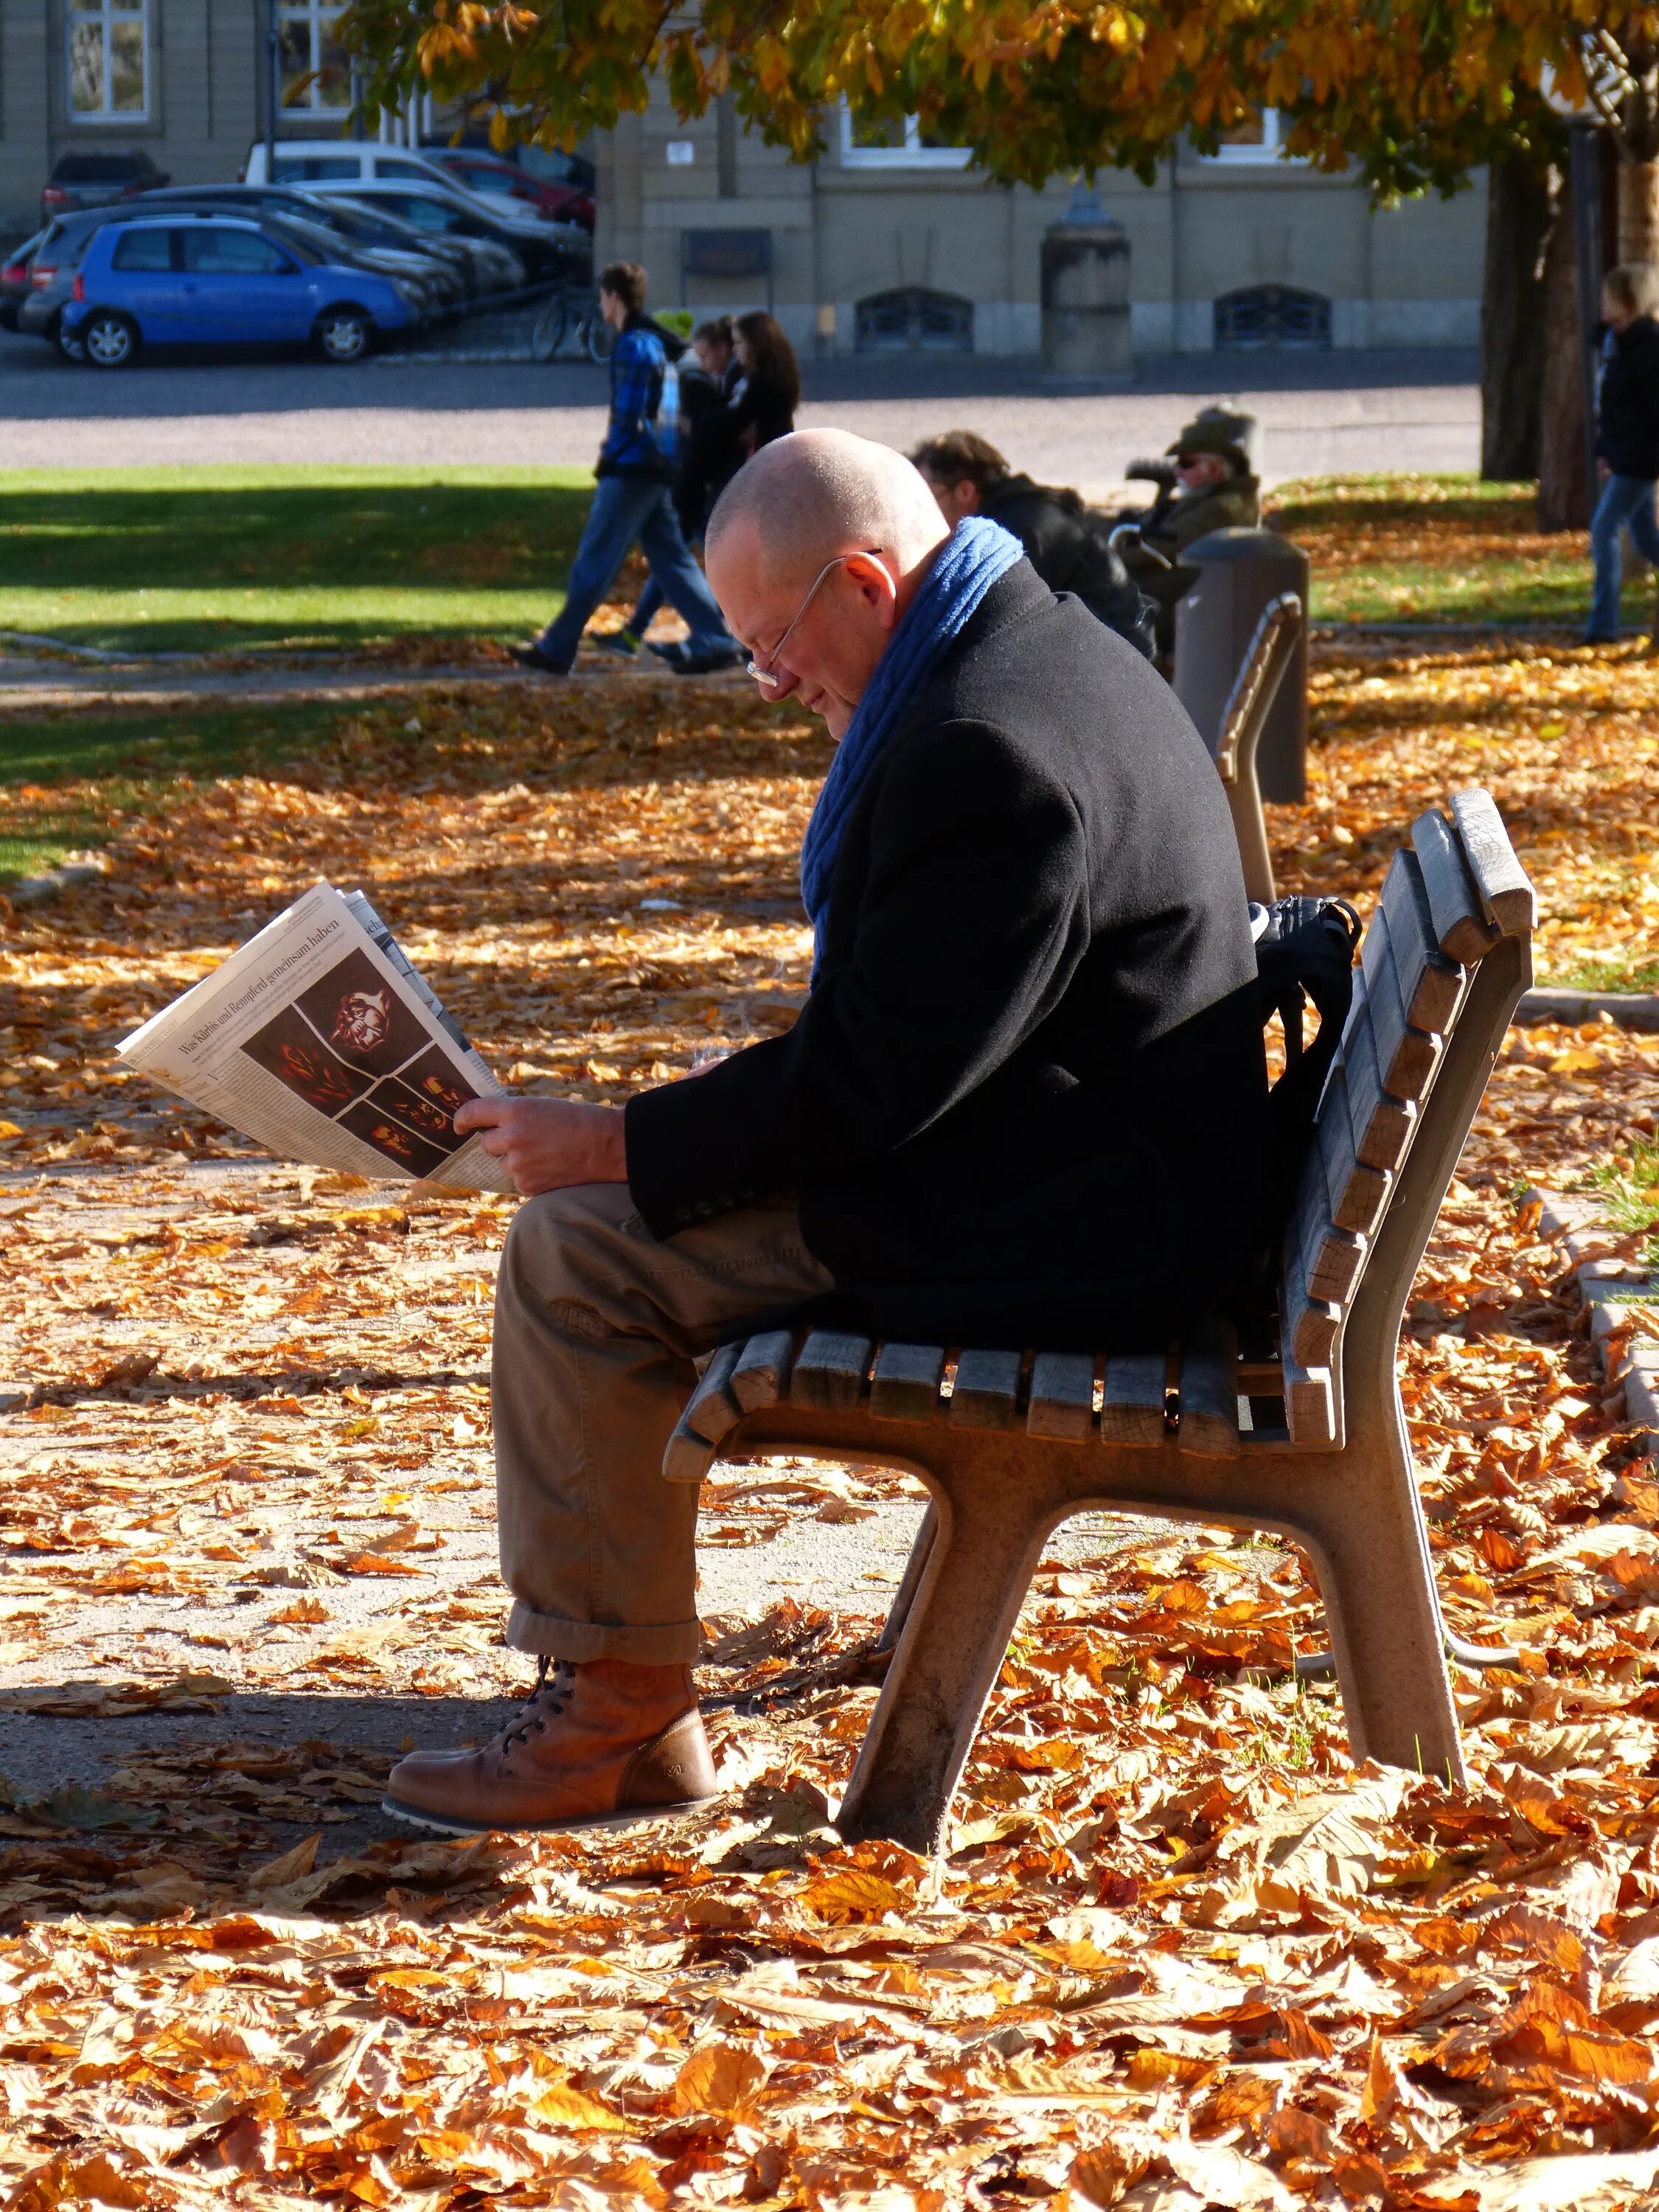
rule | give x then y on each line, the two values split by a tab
223	280
496	178
15	280
433	275
547	254
95	179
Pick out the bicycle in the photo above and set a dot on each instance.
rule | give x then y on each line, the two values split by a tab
571	326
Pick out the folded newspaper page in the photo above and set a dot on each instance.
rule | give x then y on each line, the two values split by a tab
319	1039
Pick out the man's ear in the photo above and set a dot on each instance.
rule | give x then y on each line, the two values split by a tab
875	582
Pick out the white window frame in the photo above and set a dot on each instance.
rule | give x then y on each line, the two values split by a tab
106	14
1270	149
317	16
912	155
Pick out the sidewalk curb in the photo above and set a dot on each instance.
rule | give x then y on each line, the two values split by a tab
1630	1010
42	891
1606	1283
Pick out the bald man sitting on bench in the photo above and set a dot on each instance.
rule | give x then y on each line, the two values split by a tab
1024	1101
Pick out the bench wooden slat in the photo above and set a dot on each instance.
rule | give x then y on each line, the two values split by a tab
830	1369
1382	1126
905	1385
1133	1411
1358	1193
687	1458
1405	1058
1309	1326
1431	985
761	1376
1460	929
987	1392
711	1411
1209	1396
1309	1405
1062	1395
1333	1263
1503	886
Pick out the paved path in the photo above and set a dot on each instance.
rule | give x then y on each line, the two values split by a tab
1347	411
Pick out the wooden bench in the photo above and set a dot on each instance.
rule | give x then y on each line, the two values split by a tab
1302	1433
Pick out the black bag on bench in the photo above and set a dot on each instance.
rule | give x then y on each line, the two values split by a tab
1304	952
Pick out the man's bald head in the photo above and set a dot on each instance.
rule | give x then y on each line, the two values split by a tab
817	493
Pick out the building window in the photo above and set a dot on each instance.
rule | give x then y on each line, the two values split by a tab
1271	316
316	68
914	320
1259	138
108	61
894	145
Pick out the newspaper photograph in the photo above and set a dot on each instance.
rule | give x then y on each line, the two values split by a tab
319	1039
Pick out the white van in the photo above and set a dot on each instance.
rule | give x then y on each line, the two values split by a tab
338	163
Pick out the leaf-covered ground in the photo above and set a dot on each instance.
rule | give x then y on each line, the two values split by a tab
1442	549
1181	1952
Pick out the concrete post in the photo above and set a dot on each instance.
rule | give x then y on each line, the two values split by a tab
1085	293
1238	572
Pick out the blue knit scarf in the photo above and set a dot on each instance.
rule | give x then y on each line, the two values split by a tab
975	554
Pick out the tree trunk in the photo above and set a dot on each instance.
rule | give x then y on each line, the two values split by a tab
1638	211
1563	493
1520	212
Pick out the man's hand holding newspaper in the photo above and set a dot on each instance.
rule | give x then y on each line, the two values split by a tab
319	1039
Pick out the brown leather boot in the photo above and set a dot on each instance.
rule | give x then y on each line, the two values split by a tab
598	1745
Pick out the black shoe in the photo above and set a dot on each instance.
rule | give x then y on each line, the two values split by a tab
673	653
531	656
619	644
706	663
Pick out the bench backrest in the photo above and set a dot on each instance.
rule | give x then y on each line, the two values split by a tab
1267	660
1449	902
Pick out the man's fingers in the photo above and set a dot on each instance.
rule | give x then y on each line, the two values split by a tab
483	1114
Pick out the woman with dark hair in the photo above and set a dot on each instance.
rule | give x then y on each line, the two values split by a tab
763	405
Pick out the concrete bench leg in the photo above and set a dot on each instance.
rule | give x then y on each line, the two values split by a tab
1375	1573
910	1581
978	1570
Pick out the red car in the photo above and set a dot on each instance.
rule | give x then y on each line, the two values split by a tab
480	171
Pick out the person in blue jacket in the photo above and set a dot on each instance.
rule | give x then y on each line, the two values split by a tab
634	501
1626	438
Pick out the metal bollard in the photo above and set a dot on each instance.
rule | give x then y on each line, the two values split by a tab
1239	571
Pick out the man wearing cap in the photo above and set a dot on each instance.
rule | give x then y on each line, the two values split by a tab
1211	487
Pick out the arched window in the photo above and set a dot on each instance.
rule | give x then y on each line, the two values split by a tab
914	320
1278	315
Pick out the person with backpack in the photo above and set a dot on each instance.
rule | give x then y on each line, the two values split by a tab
707	457
633	503
1626	438
1064	542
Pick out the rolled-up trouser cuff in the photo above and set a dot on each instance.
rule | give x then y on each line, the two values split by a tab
672	1643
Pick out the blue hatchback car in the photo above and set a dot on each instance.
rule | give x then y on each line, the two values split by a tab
224	283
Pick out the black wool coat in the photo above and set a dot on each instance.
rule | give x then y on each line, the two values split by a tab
1025	1102
1069	549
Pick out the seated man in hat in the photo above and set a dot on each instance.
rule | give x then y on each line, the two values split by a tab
1210	487
1024	1103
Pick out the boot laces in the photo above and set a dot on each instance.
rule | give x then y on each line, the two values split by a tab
556	1680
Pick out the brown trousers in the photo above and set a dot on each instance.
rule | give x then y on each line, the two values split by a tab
597	1324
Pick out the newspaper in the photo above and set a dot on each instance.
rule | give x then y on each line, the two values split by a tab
319	1039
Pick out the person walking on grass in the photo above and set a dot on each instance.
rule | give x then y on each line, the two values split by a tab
633	502
1626	438
707	457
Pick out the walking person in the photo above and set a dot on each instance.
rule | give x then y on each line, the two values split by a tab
707	457
633	501
761	409
1626	438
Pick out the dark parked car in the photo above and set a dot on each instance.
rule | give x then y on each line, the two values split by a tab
475	265
15	280
560	253
221	280
409	258
499	179
96	180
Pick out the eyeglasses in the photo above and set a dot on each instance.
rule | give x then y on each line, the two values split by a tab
767	675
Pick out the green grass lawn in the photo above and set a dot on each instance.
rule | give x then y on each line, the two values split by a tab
1440	548
259	559
66	780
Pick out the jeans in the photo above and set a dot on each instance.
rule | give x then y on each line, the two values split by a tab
1625	501
627	510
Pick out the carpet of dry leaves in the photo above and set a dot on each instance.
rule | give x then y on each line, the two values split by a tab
1181	1952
